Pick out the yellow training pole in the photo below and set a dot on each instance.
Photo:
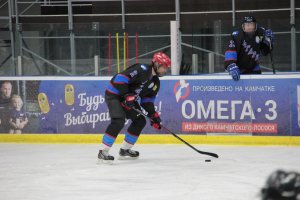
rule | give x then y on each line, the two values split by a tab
124	52
118	54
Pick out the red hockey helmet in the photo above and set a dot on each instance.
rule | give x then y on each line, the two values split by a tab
162	59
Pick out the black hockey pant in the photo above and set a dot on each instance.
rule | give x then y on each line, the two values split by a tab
118	116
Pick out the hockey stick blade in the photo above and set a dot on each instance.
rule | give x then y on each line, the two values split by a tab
201	152
179	138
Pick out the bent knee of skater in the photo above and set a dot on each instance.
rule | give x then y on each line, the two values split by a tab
118	122
141	121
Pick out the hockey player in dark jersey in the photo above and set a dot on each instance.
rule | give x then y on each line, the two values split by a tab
137	86
245	48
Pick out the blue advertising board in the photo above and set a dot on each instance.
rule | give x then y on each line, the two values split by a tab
210	104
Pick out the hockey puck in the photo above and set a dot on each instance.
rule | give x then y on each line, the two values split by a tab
207	160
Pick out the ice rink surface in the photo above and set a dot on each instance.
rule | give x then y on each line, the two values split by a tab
163	172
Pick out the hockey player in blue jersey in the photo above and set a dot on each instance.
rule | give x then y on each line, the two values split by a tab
245	48
137	86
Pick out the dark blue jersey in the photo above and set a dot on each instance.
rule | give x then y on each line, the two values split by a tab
138	80
245	50
15	114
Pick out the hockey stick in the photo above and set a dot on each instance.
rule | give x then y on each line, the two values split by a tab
272	63
179	138
271	56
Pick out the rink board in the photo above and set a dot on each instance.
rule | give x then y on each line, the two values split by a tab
206	109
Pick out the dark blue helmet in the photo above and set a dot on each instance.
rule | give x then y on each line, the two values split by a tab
248	19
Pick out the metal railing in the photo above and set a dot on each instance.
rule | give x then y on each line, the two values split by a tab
17	35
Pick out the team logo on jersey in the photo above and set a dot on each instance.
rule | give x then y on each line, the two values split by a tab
181	90
151	85
231	45
134	73
235	33
257	40
249	50
154	88
144	67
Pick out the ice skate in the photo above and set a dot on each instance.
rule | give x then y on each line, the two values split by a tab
104	157
128	154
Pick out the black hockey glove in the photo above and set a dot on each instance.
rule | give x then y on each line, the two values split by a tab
234	71
129	100
155	121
